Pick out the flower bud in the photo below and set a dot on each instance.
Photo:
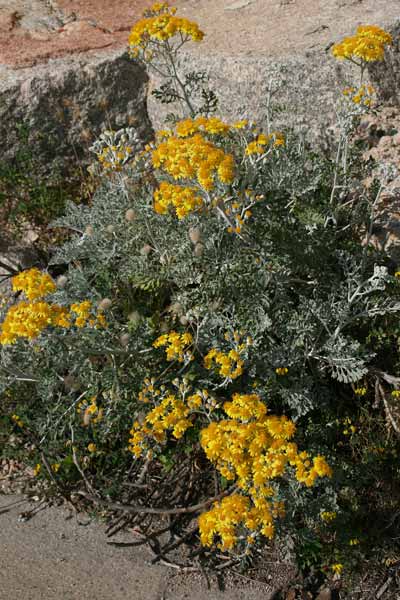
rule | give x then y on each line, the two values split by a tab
61	282
104	304
86	418
194	235
184	320
145	250
164	326
176	308
124	339
72	383
130	215
198	250
89	230
110	228
134	317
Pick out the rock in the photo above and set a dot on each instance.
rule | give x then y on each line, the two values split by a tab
283	45
58	108
239	4
385	142
14	256
64	75
8	20
385	75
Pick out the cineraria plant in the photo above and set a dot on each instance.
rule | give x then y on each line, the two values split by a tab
216	308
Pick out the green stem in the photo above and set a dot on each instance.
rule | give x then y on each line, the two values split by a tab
175	76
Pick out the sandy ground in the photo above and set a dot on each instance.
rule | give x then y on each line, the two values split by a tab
54	557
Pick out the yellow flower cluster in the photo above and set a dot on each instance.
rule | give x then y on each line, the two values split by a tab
349	428
239	215
354	542
210	125
236	510
161	24
362	95
194	157
184	200
170	413
176	345
229	364
281	371
367	45
29	319
258	146
82	310
33	283
252	449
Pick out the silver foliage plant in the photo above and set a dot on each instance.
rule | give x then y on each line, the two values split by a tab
301	280
301	285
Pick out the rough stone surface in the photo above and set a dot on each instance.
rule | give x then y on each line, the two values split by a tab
386	75
65	77
381	134
61	61
287	41
60	107
32	31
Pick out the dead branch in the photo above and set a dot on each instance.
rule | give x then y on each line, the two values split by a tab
155	511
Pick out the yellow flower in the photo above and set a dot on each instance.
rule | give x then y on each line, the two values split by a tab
177	345
282	371
328	516
337	568
17	420
240	124
354	542
37	469
361	391
257	146
92	447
